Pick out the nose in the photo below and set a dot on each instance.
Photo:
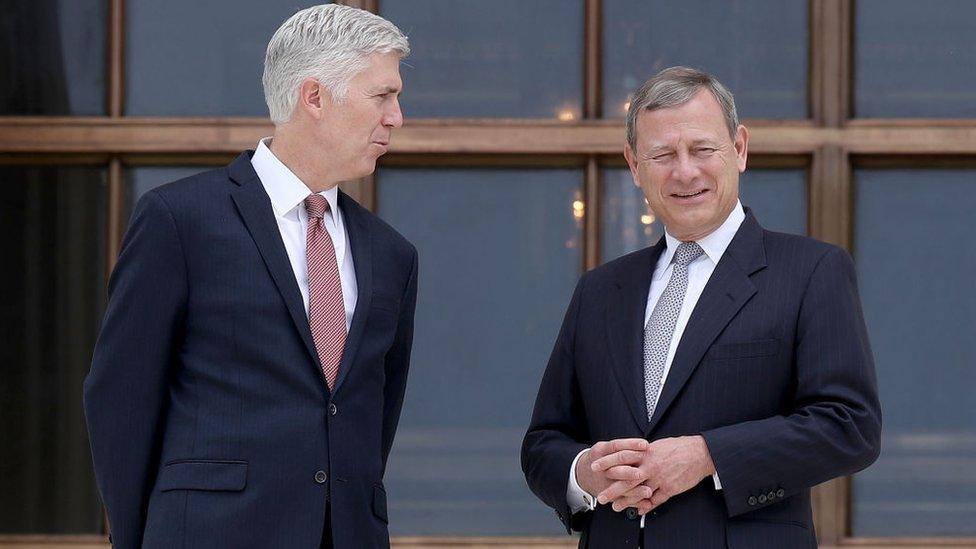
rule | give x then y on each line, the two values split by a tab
393	117
685	169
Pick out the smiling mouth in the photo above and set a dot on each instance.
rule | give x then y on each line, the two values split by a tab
689	195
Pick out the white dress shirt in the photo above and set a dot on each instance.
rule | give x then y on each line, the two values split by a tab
288	195
699	271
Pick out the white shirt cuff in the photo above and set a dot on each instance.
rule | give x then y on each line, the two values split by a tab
715	479
577	498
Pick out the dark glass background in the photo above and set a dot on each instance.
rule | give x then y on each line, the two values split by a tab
53	219
53	57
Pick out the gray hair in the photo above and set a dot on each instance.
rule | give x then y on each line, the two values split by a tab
676	86
330	43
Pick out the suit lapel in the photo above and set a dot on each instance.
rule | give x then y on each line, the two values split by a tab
728	289
625	330
254	206
361	244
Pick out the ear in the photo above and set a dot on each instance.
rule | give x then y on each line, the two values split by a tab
631	163
741	147
312	97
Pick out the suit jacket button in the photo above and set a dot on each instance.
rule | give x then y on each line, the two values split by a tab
752	501
632	513
321	477
771	496
333	409
780	493
762	498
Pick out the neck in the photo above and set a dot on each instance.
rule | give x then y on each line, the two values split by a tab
287	147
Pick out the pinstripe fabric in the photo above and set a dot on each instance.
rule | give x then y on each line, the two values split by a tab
326	312
773	370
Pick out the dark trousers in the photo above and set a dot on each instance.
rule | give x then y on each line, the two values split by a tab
327	528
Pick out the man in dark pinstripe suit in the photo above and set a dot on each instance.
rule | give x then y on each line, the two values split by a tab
700	387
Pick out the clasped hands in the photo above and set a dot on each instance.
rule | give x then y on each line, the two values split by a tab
632	472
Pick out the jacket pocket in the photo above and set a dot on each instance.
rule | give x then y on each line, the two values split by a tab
203	474
746	349
379	503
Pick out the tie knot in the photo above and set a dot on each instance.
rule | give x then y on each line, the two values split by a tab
686	253
316	205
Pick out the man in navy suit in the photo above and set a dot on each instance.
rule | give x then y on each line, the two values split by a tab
249	376
700	387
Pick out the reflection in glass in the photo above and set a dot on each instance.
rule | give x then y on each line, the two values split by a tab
778	198
500	253
53	224
915	261
472	58
758	48
914	59
52	57
192	58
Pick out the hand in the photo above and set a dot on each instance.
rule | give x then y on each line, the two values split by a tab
594	481
667	467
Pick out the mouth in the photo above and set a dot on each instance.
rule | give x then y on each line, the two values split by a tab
689	195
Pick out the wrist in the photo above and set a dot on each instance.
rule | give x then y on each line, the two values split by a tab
583	472
708	467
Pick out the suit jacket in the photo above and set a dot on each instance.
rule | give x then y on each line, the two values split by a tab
210	420
774	370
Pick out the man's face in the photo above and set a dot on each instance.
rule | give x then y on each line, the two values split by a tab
354	133
687	165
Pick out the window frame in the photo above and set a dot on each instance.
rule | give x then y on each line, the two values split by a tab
828	143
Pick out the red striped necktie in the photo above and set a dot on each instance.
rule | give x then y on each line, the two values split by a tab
326	311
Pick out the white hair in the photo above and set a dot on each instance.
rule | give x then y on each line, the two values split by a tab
676	86
330	43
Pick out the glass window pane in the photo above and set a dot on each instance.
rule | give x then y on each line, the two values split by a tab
758	48
143	179
53	222
915	262
915	59
505	58
192	58
500	253
778	197
52	57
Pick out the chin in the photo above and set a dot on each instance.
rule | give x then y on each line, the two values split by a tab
366	169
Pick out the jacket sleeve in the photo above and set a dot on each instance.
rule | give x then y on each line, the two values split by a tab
126	390
834	428
557	432
398	361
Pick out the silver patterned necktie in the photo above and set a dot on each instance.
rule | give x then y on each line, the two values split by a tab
660	326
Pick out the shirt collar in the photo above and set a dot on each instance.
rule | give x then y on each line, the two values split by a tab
716	242
284	188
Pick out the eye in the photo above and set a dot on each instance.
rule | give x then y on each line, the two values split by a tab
662	156
705	150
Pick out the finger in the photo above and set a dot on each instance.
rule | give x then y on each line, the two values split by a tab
615	490
599	449
632	498
643	507
660	496
626	472
622	457
623	503
621	444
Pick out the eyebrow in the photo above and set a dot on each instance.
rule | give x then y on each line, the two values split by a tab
657	149
385	89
